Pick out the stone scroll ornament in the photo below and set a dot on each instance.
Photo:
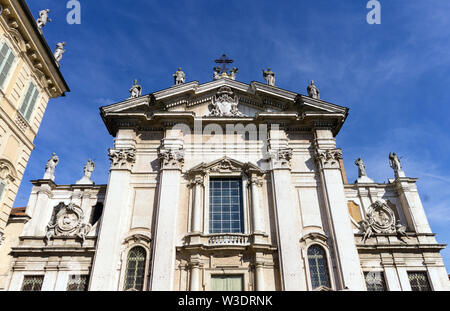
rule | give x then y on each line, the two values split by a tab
380	219
68	222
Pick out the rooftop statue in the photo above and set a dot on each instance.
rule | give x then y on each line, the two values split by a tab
361	167
233	73
269	76
313	91
396	165
59	51
179	77
136	90
50	167
43	18
88	170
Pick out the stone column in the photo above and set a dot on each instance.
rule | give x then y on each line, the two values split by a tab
195	265
412	205
259	273
116	213
256	183
346	254
286	213
164	252
196	222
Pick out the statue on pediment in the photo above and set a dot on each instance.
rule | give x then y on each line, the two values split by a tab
179	77
361	167
43	18
233	73
313	91
269	76
216	74
50	167
396	165
136	90
59	51
88	170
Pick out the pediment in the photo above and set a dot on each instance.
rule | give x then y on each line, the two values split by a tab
254	97
225	165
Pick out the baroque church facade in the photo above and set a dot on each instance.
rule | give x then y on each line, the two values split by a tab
226	186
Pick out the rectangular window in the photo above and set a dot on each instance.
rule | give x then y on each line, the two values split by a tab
225	205
32	283
78	283
227	282
6	62
419	281
29	101
375	281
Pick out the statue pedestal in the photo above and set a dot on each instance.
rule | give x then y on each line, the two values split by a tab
85	181
364	180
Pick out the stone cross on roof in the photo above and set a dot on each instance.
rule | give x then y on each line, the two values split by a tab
224	60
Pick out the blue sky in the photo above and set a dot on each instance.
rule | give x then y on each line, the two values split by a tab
393	77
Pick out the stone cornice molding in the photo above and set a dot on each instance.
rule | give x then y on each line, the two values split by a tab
122	159
329	158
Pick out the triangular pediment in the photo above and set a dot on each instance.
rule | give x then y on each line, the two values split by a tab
223	100
225	165
254	97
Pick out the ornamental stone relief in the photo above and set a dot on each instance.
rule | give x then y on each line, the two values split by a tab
328	158
225	104
172	158
281	158
122	158
68	222
380	219
7	171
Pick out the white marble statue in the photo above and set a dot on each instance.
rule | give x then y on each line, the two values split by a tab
216	74
136	90
89	168
59	51
361	167
396	165
50	167
179	77
269	76
233	73
43	18
313	91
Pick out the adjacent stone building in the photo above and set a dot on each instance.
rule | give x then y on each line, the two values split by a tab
29	77
226	186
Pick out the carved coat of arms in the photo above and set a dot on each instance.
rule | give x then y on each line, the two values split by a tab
381	219
68	222
225	104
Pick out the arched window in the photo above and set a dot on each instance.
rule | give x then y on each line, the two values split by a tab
135	273
318	267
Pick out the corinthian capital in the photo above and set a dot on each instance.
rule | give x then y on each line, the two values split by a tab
328	158
172	158
122	158
281	158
